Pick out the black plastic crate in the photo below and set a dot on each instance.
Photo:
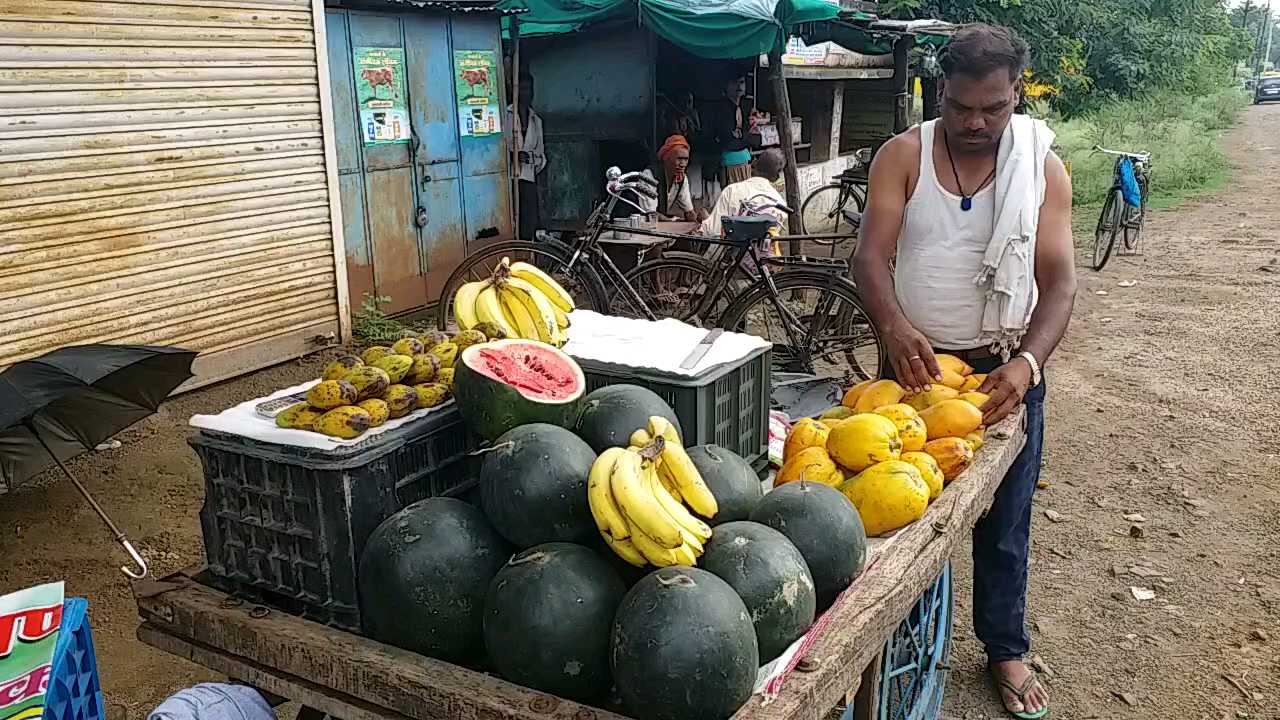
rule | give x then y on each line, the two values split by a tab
728	406
285	526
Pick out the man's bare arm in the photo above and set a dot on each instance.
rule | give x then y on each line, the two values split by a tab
887	193
1056	283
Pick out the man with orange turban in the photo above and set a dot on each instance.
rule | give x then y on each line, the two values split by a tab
674	155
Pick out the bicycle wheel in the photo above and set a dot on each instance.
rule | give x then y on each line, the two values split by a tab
820	212
1104	237
582	282
672	286
1133	220
816	323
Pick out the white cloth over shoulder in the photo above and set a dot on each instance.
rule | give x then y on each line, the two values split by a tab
1008	265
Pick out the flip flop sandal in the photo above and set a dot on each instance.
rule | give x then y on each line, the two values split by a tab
1021	694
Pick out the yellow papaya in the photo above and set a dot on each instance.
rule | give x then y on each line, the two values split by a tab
911	429
329	394
345	422
431	394
369	381
467	338
343	365
375	353
395	366
852	394
811	464
401	400
298	417
953	454
929	470
879	394
864	440
973	382
433	338
954	364
888	495
951	418
932	396
408	346
446	352
839	412
378	411
424	369
805	433
975	399
951	379
445	377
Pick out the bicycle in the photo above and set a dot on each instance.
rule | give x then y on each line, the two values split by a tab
826	209
816	331
1117	215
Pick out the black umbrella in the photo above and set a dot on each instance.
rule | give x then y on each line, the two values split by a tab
59	405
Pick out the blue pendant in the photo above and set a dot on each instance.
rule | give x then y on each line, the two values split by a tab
966	204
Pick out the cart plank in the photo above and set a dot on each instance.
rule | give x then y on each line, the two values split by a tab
367	671
878	601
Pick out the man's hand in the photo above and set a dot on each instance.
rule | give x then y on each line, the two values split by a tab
912	357
1006	385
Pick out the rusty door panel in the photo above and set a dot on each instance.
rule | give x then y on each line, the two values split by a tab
356	240
488	209
393	236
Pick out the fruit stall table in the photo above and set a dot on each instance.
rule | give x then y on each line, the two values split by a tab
333	672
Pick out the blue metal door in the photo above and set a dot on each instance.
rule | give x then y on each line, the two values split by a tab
411	208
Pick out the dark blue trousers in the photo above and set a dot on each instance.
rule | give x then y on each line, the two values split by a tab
1002	543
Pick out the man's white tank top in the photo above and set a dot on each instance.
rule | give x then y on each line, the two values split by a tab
940	250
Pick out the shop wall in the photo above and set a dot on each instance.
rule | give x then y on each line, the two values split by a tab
164	180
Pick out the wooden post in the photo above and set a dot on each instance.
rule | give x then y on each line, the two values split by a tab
901	72
789	173
516	133
929	97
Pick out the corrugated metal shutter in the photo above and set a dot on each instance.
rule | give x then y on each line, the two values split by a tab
163	180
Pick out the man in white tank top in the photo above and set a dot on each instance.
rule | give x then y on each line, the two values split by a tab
931	207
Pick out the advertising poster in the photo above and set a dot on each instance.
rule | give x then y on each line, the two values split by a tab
380	95
477	92
29	622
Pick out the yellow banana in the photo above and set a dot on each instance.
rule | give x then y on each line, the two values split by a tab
608	517
693	529
652	551
489	309
634	496
517	314
686	555
538	306
561	318
692	488
625	550
545	284
640	438
464	303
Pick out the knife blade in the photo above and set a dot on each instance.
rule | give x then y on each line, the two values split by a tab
700	350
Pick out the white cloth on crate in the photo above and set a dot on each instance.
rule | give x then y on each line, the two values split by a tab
1008	274
531	143
942	278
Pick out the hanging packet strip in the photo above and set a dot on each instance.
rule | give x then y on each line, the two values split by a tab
29	623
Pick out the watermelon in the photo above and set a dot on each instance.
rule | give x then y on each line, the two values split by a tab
771	577
547	620
424	575
611	413
683	647
533	486
825	527
506	383
734	484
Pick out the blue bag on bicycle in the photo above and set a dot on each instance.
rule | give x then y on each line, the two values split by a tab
1129	183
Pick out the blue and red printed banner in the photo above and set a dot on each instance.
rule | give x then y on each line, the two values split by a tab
29	622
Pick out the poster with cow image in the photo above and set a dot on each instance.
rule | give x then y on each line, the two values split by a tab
380	95
476	88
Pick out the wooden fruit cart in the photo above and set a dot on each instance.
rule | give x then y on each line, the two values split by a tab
340	674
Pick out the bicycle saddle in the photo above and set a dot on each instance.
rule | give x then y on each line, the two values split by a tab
746	229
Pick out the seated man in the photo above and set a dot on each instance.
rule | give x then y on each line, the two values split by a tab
757	190
676	202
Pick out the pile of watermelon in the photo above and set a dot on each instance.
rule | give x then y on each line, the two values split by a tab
520	582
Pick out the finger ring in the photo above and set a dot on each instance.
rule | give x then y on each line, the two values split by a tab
914	357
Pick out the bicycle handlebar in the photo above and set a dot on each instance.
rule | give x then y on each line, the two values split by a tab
1143	156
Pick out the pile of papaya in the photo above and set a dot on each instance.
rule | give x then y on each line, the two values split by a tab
356	393
889	451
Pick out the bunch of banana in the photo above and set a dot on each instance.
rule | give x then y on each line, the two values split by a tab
520	299
635	497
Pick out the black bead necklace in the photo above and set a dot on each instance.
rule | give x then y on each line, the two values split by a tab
966	199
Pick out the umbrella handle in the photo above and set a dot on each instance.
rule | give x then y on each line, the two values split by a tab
128	547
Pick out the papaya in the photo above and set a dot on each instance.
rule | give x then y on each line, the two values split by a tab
431	394
343	365
345	422
369	381
446	353
929	470
852	394
812	464
401	400
973	382
951	418
378	411
888	495
374	353
467	338
395	366
953	454
408	346
932	396
432	339
975	399
298	417
837	413
951	379
424	369
911	429
806	433
879	394
864	440
953	363
329	394
445	376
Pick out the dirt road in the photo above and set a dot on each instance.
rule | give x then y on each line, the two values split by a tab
1159	404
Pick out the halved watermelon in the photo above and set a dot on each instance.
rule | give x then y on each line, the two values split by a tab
502	384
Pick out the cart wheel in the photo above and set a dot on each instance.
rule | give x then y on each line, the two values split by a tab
916	658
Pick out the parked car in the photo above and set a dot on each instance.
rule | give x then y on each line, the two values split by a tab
1267	90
